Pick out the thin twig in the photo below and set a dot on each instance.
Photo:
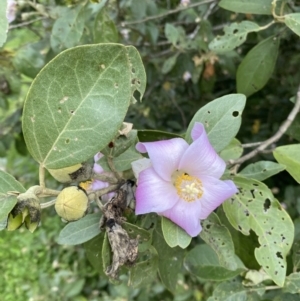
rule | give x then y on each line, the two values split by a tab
253	144
27	22
48	204
282	129
42	176
169	12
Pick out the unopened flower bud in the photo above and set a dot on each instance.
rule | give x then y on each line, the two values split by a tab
72	203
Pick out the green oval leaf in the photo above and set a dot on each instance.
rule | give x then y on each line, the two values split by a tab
78	232
235	34
261	7
232	151
93	250
293	22
169	259
255	208
142	273
218	237
68	28
77	103
261	170
235	291
172	33
288	155
292	283
221	118
169	63
105	30
7	202
203	262
3	23
174	235
257	67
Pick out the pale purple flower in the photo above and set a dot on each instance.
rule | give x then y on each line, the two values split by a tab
97	184
183	183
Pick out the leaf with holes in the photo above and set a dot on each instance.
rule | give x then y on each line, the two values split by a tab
261	7
255	208
292	283
203	262
235	34
3	23
78	101
221	118
219	239
232	151
293	22
235	291
288	155
80	231
7	202
257	67
261	170
174	235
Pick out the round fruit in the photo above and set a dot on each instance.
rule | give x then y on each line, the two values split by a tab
72	203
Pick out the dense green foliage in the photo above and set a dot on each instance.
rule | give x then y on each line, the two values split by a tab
185	60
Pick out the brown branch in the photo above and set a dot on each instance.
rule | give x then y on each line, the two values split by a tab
282	129
169	12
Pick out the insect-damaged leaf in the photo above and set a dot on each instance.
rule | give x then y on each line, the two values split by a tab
221	118
255	208
78	101
218	237
234	35
261	170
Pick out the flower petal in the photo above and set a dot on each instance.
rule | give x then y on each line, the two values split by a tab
154	194
215	192
186	215
201	158
164	155
197	130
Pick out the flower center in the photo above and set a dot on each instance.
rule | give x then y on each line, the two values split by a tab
189	188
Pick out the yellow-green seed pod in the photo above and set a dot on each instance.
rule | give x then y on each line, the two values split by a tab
72	203
62	175
14	222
